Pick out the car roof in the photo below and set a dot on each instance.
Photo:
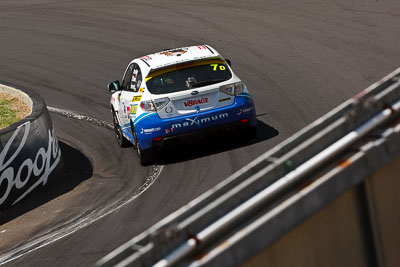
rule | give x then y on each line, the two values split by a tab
174	56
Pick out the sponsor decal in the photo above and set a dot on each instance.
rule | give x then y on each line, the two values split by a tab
168	111
134	109
174	52
141	90
197	108
201	47
136	98
224	99
146	58
247	110
241	111
193	102
113	99
150	131
40	166
199	122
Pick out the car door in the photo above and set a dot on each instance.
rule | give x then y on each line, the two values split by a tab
130	94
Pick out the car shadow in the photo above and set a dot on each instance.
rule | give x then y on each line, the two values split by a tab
73	169
214	145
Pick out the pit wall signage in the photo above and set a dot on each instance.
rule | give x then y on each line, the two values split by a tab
28	156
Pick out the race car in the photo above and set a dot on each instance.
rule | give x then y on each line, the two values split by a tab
175	95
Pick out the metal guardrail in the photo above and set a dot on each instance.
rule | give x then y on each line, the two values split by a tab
263	186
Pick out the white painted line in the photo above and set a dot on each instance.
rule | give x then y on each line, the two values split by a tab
72	226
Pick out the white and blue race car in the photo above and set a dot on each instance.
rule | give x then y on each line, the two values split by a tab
173	95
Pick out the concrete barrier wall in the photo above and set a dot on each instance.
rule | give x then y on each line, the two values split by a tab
360	228
29	150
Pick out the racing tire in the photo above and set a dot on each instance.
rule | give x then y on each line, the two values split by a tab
122	141
145	156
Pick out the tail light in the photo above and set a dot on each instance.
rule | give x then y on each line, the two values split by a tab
233	89
147	105
156	104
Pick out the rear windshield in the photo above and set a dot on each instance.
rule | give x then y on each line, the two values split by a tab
187	76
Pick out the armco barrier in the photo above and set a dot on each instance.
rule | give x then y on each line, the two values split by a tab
307	201
359	228
29	150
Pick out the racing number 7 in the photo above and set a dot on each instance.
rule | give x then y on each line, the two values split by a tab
215	67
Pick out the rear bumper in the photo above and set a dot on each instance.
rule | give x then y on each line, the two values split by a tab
156	132
172	140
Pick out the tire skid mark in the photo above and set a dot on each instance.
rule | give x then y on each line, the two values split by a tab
81	117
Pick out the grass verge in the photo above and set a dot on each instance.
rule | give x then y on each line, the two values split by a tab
12	110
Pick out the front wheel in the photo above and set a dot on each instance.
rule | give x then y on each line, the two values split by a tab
122	141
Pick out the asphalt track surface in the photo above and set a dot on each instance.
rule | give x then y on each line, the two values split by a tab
299	61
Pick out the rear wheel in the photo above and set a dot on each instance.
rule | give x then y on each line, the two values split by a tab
122	141
145	156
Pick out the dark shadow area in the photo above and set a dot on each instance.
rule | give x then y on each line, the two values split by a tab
214	145
73	169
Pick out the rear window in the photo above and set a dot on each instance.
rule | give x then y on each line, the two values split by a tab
187	76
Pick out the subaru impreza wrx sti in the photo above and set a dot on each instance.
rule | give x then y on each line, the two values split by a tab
175	94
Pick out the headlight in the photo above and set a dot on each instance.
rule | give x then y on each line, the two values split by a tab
232	89
154	105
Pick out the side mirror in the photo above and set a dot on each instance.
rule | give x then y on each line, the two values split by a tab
114	86
229	62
